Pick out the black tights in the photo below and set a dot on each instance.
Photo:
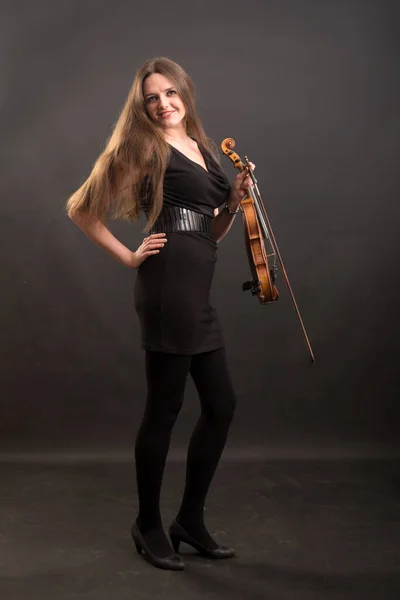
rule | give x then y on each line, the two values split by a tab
166	380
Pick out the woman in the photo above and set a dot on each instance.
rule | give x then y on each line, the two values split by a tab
159	160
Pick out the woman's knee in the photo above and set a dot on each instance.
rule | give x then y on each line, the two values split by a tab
221	408
163	413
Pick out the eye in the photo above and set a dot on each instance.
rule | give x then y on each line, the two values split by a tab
152	98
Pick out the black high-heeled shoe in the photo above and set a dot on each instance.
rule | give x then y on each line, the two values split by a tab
178	534
173	562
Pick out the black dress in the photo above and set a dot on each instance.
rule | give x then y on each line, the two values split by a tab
172	288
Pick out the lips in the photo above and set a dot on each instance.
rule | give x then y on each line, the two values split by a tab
166	114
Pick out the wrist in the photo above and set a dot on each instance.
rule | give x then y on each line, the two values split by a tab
132	262
232	205
234	201
232	211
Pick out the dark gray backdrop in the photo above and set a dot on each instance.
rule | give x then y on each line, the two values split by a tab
310	91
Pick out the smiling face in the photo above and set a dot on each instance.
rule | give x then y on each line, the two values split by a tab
163	105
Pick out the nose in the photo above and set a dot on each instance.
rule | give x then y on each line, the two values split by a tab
163	103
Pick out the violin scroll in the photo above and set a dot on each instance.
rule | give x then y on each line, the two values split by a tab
226	146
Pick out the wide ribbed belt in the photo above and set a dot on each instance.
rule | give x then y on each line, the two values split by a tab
177	218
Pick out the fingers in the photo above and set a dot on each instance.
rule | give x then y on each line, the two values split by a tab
152	244
246	169
156	237
247	180
252	167
156	240
155	243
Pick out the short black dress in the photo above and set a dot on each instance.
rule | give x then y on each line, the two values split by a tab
172	288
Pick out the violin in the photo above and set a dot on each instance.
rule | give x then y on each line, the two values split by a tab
261	247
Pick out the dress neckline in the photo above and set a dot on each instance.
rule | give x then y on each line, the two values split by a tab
193	161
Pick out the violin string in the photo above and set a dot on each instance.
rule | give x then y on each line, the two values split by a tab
262	222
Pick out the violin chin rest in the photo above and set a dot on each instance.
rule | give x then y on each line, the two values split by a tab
253	286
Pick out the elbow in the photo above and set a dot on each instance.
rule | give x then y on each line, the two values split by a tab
77	216
74	218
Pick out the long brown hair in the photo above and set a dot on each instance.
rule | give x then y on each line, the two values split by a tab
136	149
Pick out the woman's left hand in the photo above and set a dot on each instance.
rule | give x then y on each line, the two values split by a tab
240	185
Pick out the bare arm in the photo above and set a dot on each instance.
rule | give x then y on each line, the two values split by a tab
222	223
98	233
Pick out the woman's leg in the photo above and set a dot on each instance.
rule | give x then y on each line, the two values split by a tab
210	374
166	379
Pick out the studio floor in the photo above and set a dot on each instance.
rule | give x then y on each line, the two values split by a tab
302	530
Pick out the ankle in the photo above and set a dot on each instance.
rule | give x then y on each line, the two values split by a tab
190	519
145	524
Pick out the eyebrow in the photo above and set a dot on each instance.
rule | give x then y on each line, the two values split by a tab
167	90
